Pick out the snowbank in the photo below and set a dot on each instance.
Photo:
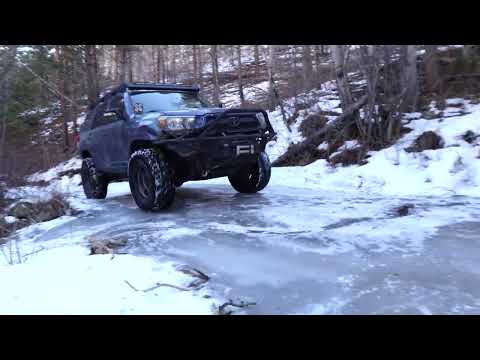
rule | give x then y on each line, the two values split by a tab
452	170
66	280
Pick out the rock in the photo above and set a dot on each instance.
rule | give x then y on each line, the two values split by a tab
116	243
429	140
22	210
98	246
39	212
312	124
470	136
429	115
403	210
349	157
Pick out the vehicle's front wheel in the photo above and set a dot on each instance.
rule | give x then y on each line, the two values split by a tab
254	177
151	180
94	185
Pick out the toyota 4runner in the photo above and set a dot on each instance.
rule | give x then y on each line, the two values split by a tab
159	136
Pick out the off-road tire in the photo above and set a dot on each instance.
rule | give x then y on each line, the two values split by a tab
94	185
151	181
254	177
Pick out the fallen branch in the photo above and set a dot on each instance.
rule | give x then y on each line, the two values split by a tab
157	286
341	122
242	304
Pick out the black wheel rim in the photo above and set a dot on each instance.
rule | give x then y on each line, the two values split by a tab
143	180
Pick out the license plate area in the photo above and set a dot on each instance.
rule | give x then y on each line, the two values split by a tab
247	149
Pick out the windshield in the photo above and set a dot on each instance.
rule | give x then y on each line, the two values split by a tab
167	101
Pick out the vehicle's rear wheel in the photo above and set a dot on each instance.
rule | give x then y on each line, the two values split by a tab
151	180
254	177
94	185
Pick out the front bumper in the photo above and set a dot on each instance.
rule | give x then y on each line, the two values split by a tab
208	157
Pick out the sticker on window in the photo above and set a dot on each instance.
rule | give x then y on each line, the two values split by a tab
138	108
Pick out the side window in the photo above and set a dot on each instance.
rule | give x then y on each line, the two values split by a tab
114	109
116	103
99	111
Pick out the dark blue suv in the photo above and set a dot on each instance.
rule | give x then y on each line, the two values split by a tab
159	136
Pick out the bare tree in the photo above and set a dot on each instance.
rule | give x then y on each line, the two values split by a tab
240	80
62	58
195	62
216	87
274	96
340	57
92	73
432	74
7	61
123	62
410	78
307	67
174	63
256	60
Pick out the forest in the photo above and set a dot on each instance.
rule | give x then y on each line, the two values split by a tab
373	174
46	89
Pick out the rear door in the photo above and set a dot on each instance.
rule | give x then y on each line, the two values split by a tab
95	138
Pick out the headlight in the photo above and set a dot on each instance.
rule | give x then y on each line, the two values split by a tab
261	120
177	122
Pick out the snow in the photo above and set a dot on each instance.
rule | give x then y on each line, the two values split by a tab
324	99
452	170
73	163
66	280
10	219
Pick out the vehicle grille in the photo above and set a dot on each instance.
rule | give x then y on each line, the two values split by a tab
235	124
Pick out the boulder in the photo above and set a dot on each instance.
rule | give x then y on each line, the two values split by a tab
39	212
349	157
311	124
22	210
470	136
429	140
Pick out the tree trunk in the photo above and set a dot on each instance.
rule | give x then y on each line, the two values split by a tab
317	63
195	63
92	73
200	65
166	63
129	51
256	59
174	61
274	96
271	68
307	67
216	87
240	80
339	59
432	73
411	80
63	84
123	59
116	63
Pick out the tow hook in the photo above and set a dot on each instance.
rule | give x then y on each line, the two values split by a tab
205	173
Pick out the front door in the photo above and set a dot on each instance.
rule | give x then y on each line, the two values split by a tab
117	137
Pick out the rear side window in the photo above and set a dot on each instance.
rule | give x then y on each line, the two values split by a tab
100	109
116	103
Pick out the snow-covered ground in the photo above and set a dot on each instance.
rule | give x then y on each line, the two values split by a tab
65	280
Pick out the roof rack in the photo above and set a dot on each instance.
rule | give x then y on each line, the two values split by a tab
161	86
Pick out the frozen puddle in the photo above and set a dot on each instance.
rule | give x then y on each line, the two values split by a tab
291	250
